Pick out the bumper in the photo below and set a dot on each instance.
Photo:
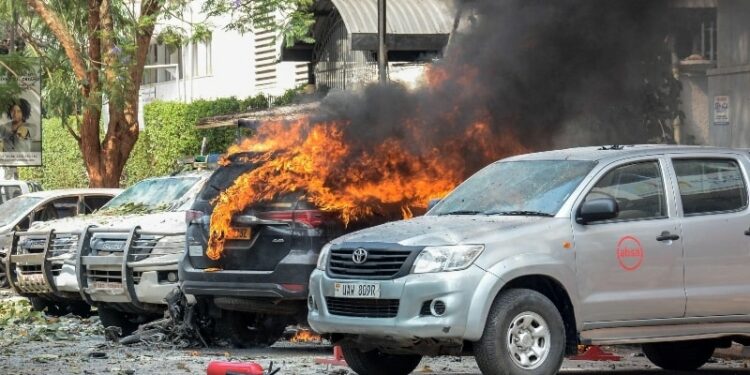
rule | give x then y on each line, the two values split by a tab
288	281
46	270
128	275
150	287
455	289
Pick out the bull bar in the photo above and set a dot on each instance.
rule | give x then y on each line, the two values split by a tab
31	273
119	289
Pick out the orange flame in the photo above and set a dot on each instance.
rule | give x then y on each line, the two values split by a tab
304	335
351	179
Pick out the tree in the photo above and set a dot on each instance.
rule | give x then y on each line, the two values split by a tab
105	44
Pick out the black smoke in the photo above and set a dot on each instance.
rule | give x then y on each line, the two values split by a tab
557	73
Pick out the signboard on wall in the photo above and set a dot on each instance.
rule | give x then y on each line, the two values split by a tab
722	110
21	123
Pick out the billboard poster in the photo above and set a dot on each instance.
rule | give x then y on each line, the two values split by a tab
722	110
21	122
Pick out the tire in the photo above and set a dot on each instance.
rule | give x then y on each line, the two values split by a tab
127	323
377	363
248	330
513	316
3	276
681	355
57	308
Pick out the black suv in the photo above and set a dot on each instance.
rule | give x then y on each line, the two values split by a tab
260	283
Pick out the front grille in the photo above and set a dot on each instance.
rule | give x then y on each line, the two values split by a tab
32	245
380	264
32	269
364	308
63	245
110	276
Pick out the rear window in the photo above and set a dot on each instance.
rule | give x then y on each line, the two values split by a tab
223	178
710	185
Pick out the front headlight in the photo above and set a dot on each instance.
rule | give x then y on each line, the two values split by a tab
323	257
446	258
169	245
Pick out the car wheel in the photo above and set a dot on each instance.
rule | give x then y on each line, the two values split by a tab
3	276
374	362
38	303
115	318
681	355
524	335
248	330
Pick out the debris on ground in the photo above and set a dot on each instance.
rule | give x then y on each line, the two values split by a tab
20	324
179	329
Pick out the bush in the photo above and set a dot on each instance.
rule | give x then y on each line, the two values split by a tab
169	136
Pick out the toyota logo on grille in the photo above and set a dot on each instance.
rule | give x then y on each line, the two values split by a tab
359	256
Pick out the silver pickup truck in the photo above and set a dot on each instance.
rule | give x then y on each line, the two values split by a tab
538	253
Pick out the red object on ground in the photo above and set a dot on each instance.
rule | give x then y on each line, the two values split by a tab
336	360
595	353
234	368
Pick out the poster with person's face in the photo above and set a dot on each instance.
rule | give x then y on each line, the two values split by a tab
21	123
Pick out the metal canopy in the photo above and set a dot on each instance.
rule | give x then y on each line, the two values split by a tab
412	25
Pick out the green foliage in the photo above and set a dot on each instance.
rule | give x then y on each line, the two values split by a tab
63	164
170	136
294	21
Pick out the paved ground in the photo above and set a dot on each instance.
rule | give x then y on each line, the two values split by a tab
33	344
90	356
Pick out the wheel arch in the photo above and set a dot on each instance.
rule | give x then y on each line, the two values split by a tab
541	280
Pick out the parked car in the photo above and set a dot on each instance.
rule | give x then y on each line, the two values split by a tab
141	231
259	285
128	264
538	253
10	189
41	206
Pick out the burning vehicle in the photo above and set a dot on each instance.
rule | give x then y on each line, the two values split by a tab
36	261
259	286
123	257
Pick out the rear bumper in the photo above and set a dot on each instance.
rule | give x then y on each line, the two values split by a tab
289	280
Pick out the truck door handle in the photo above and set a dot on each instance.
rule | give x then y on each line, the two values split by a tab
666	236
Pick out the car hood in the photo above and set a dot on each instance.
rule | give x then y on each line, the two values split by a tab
439	230
162	221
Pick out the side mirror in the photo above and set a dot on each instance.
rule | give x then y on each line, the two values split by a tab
432	203
597	209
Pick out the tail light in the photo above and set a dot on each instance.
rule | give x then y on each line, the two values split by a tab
192	215
310	218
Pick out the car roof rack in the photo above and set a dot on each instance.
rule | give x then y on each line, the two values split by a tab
611	147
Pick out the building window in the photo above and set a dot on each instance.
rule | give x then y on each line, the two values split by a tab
202	58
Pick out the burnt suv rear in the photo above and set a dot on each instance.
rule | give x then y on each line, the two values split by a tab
259	284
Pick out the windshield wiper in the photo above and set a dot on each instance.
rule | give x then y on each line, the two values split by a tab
462	212
519	213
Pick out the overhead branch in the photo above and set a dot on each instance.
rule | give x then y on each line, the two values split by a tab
56	25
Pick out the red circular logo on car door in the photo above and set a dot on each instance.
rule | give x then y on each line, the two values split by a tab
629	253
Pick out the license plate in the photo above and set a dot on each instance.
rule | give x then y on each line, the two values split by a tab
357	290
239	234
106	285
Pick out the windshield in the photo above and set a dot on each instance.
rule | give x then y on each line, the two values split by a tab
153	195
527	187
16	207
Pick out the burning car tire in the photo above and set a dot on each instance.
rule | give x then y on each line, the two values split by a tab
680	356
524	335
377	363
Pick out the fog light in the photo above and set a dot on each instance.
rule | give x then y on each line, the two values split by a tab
172	277
437	307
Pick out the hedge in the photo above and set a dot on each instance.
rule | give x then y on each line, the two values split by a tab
170	135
